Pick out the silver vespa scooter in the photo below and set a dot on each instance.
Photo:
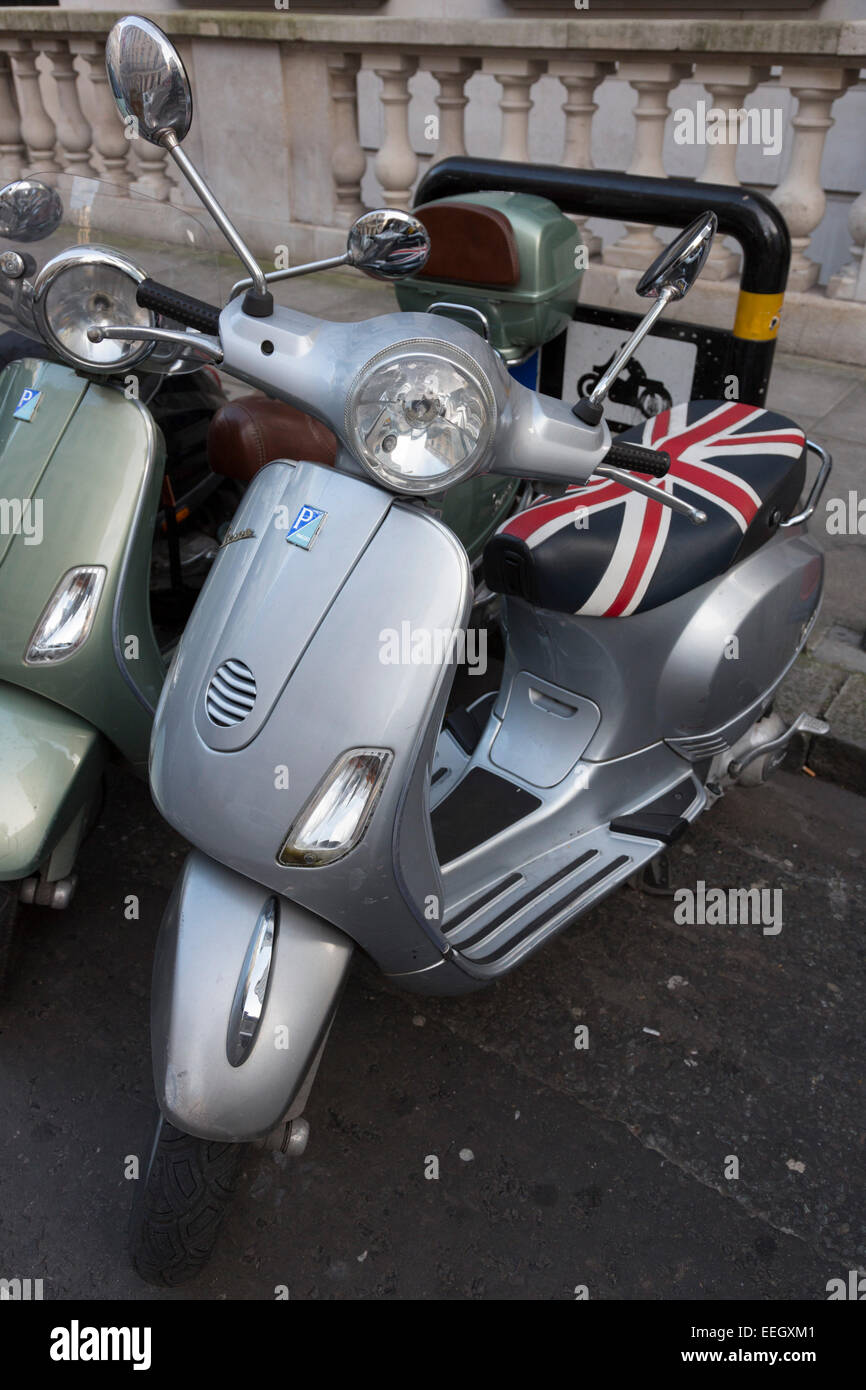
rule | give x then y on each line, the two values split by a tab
654	600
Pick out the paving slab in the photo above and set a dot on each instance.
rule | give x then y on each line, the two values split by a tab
841	756
845	419
807	389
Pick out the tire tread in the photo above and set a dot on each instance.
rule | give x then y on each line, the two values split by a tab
180	1205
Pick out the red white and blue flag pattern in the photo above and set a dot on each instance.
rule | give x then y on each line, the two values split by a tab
603	550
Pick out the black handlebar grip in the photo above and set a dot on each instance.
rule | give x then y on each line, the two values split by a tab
173	304
639	459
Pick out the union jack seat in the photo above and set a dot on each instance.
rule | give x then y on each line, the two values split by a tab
602	550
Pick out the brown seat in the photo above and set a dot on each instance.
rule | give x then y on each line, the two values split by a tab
252	430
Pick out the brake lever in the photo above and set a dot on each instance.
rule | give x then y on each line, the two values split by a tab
130	334
618	475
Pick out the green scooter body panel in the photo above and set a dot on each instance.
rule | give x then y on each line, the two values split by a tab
474	509
51	763
27	446
95	465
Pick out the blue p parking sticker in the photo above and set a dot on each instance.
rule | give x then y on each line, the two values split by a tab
26	407
305	527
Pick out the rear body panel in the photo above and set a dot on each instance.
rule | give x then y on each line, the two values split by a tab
687	668
604	731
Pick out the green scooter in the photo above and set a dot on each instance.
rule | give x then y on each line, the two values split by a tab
82	464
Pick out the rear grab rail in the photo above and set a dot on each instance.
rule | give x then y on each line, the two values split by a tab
817	487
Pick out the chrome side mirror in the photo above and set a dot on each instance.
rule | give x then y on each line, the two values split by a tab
29	211
148	81
680	264
670	276
388	244
151	90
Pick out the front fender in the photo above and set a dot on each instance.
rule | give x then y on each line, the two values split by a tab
200	959
51	764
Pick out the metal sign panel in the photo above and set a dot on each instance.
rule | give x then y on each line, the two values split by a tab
675	362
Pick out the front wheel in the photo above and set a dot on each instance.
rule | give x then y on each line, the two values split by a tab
180	1204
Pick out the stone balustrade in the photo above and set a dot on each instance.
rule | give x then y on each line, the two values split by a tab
302	120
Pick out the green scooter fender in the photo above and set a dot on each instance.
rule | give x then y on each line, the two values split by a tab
51	764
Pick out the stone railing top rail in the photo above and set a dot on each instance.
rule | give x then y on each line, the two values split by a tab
806	40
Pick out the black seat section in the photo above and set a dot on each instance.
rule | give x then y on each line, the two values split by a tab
602	550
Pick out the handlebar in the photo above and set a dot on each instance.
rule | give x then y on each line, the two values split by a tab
183	308
638	459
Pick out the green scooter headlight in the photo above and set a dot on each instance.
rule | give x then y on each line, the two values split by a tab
91	287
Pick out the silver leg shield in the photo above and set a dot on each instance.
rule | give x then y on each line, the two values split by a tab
245	987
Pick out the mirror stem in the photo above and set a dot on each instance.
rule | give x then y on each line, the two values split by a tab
260	301
629	348
332	263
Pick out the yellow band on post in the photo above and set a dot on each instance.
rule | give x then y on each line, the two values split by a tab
757	316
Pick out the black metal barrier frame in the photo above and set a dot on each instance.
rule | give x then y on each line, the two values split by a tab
750	218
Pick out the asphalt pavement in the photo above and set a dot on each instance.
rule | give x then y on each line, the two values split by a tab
605	1168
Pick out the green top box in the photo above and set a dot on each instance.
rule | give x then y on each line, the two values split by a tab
539	302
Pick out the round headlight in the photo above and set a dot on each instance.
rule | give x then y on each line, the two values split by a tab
420	416
88	287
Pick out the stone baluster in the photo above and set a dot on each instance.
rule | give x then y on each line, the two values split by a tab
37	128
727	85
348	161
580	79
653	83
73	127
12	151
452	73
109	139
516	76
396	164
152	177
800	196
850	283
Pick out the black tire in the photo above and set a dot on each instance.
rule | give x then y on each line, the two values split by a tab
8	918
180	1204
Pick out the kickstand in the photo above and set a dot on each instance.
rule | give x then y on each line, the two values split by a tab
654	877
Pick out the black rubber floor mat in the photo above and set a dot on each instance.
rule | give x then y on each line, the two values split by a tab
478	808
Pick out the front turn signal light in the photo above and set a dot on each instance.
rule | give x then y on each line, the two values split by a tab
65	622
338	813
